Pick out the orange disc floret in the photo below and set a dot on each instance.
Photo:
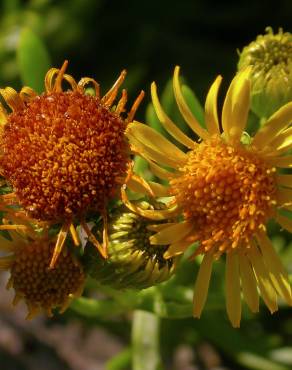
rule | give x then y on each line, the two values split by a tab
228	192
42	288
64	154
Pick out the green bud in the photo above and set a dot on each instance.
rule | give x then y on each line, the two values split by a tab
132	261
270	55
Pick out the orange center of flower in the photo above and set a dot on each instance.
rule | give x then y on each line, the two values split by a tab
64	154
40	286
228	192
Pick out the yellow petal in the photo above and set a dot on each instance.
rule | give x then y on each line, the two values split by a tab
249	284
6	262
211	114
158	190
3	115
60	243
156	215
147	138
233	300
284	197
281	162
277	272
202	285
279	121
160	172
176	249
110	96
172	234
284	180
266	288
236	106
139	185
167	123
12	98
285	222
184	109
6	245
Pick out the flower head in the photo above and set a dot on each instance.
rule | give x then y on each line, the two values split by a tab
133	262
270	56
64	152
40	287
227	188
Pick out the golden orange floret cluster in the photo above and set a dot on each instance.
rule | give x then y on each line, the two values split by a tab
43	288
64	154
228	191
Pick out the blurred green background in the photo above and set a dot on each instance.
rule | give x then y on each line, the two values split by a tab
148	38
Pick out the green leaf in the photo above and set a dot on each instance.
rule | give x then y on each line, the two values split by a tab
33	60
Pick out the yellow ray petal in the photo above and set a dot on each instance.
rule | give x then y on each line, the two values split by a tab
12	98
211	113
74	236
276	123
284	197
284	180
86	81
152	139
233	301
284	222
202	285
6	262
135	106
277	272
249	284
139	185
158	189
151	155
6	245
283	138
184	109
172	234
176	249
160	227
266	288
160	172
167	123
27	93
60	243
110	96
50	79
281	162
156	215
3	115
236	106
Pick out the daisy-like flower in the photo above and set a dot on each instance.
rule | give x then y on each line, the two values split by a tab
64	152
270	57
40	287
227	188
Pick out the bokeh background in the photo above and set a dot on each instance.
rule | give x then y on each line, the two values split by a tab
148	38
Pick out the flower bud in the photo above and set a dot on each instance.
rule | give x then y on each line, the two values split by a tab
270	56
132	261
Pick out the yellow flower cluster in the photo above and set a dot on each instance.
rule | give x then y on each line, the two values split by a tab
66	155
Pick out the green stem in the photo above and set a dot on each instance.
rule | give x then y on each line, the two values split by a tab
145	341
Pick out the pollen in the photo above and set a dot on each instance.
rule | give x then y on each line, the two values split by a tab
42	288
64	154
228	192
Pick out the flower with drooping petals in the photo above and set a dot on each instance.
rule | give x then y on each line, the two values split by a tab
64	152
226	188
42	288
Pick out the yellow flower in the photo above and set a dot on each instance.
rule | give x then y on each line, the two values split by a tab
64	152
270	56
226	188
41	287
